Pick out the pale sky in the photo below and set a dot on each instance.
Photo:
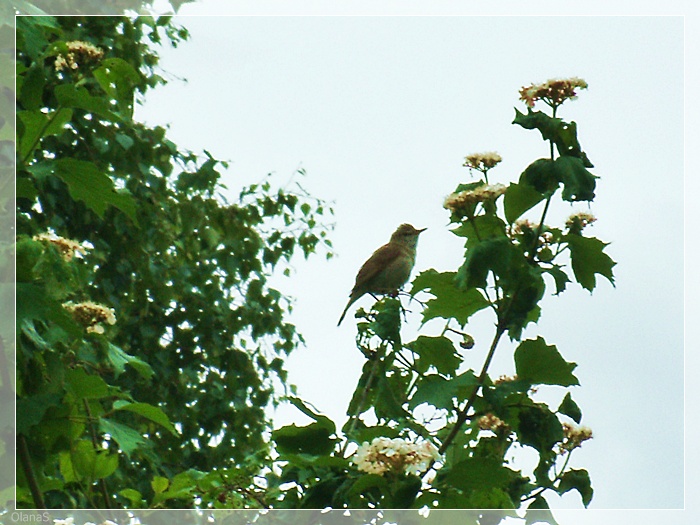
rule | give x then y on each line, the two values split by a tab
380	113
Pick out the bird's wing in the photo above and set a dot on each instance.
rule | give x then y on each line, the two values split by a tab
378	261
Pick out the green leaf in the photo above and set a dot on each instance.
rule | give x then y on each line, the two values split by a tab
314	439
539	428
70	96
118	79
438	352
518	199
36	125
119	359
90	185
134	496
319	418
560	278
25	189
85	386
151	412
568	407
579	183
126	437
479	473
86	463
33	88
540	363
578	480
493	255
538	512
31	410
540	176
588	259
159	484
450	302
439	392
33	303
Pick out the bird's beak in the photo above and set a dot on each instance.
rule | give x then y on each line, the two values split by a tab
422	230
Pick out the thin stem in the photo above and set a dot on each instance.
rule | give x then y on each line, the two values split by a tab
95	443
26	462
538	232
463	414
360	404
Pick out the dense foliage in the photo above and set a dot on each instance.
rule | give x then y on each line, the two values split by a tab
149	340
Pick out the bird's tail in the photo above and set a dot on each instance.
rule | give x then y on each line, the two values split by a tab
347	307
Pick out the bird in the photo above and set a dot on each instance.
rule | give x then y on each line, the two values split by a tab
388	268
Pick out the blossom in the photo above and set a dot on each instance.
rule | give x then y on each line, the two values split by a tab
91	314
395	455
492	422
485	192
573	437
554	92
67	247
578	221
79	53
482	161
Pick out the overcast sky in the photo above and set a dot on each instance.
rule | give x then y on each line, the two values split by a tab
380	113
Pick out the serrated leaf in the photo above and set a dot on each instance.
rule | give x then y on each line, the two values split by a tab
492	255
438	352
119	359
540	363
150	412
126	437
541	176
578	480
560	278
518	199
579	183
90	185
450	302
568	407
588	259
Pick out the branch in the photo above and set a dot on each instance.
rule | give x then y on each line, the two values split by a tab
26	462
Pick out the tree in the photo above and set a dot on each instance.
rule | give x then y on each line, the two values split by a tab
150	341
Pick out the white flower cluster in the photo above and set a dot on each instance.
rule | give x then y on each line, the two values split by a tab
554	92
67	247
482	161
578	221
486	192
397	455
91	314
79	53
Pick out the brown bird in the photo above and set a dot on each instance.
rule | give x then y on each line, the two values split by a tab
389	268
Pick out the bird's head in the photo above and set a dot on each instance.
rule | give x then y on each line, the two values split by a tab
406	234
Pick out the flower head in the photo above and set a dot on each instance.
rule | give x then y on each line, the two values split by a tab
482	161
79	53
554	92
66	247
573	437
493	423
395	455
486	192
90	315
578	221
